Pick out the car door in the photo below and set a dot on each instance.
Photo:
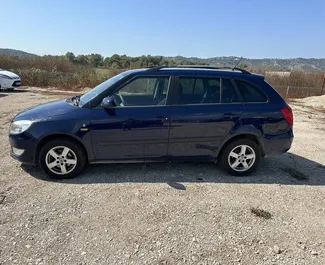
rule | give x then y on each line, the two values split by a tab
138	127
206	111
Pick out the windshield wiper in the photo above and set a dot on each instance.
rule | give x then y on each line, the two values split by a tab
76	100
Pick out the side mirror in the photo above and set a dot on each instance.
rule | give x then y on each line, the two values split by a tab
108	103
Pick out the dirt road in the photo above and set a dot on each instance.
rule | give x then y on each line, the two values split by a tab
186	213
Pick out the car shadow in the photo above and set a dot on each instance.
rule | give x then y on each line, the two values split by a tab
288	169
14	91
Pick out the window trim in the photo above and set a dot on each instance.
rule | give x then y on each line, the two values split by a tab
255	86
177	82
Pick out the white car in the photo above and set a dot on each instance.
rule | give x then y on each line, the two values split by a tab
9	80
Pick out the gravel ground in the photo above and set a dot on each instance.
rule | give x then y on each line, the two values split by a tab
185	213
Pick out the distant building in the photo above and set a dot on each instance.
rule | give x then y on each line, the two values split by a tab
277	73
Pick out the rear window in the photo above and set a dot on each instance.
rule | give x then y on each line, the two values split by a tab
250	93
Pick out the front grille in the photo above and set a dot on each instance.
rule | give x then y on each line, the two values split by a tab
16	84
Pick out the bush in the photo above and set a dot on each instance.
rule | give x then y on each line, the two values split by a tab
51	71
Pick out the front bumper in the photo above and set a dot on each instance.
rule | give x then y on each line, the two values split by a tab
11	83
27	143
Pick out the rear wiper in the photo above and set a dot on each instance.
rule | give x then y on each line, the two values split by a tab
76	100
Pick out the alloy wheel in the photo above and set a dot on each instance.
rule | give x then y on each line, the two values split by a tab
241	158
61	160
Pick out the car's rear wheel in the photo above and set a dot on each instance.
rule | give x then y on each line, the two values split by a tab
240	157
62	158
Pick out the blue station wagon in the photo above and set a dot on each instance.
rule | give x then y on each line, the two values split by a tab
230	116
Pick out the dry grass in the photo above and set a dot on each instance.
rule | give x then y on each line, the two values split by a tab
52	71
302	84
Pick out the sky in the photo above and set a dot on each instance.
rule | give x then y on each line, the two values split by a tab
205	28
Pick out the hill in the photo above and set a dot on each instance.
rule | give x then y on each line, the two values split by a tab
307	64
17	53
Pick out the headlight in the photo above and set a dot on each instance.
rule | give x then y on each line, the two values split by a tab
19	126
5	76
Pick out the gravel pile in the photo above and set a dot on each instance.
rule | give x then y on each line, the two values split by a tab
316	101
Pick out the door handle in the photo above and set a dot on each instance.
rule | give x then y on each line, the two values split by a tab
126	125
161	117
229	115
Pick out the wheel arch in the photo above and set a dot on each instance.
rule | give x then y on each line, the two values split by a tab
56	136
242	135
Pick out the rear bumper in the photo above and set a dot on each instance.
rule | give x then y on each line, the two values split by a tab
277	145
25	142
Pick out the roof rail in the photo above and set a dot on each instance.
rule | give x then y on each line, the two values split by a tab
157	68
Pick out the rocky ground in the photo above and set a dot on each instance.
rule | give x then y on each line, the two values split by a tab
185	213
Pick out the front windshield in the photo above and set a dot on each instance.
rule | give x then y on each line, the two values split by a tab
100	88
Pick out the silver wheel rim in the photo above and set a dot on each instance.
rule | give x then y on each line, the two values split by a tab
241	158
61	160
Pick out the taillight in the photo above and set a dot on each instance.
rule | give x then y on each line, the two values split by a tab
288	115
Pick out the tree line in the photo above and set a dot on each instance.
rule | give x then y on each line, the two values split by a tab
117	61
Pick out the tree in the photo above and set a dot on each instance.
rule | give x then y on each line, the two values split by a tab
81	59
70	56
113	62
95	59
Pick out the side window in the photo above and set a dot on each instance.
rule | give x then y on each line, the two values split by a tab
198	87
212	91
229	94
199	90
192	86
143	91
250	93
186	85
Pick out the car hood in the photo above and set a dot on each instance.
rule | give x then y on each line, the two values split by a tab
46	111
7	73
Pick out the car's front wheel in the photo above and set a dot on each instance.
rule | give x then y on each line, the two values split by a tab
62	158
240	157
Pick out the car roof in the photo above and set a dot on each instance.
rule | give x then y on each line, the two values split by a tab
200	70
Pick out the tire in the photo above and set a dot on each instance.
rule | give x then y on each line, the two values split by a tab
62	159
240	157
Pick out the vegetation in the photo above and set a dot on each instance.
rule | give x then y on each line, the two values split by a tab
124	62
261	213
72	72
50	71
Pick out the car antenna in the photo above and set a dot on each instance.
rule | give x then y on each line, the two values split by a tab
241	58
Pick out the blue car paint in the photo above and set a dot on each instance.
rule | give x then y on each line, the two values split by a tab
198	130
171	132
130	132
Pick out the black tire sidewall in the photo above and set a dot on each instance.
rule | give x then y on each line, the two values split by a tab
76	148
230	147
